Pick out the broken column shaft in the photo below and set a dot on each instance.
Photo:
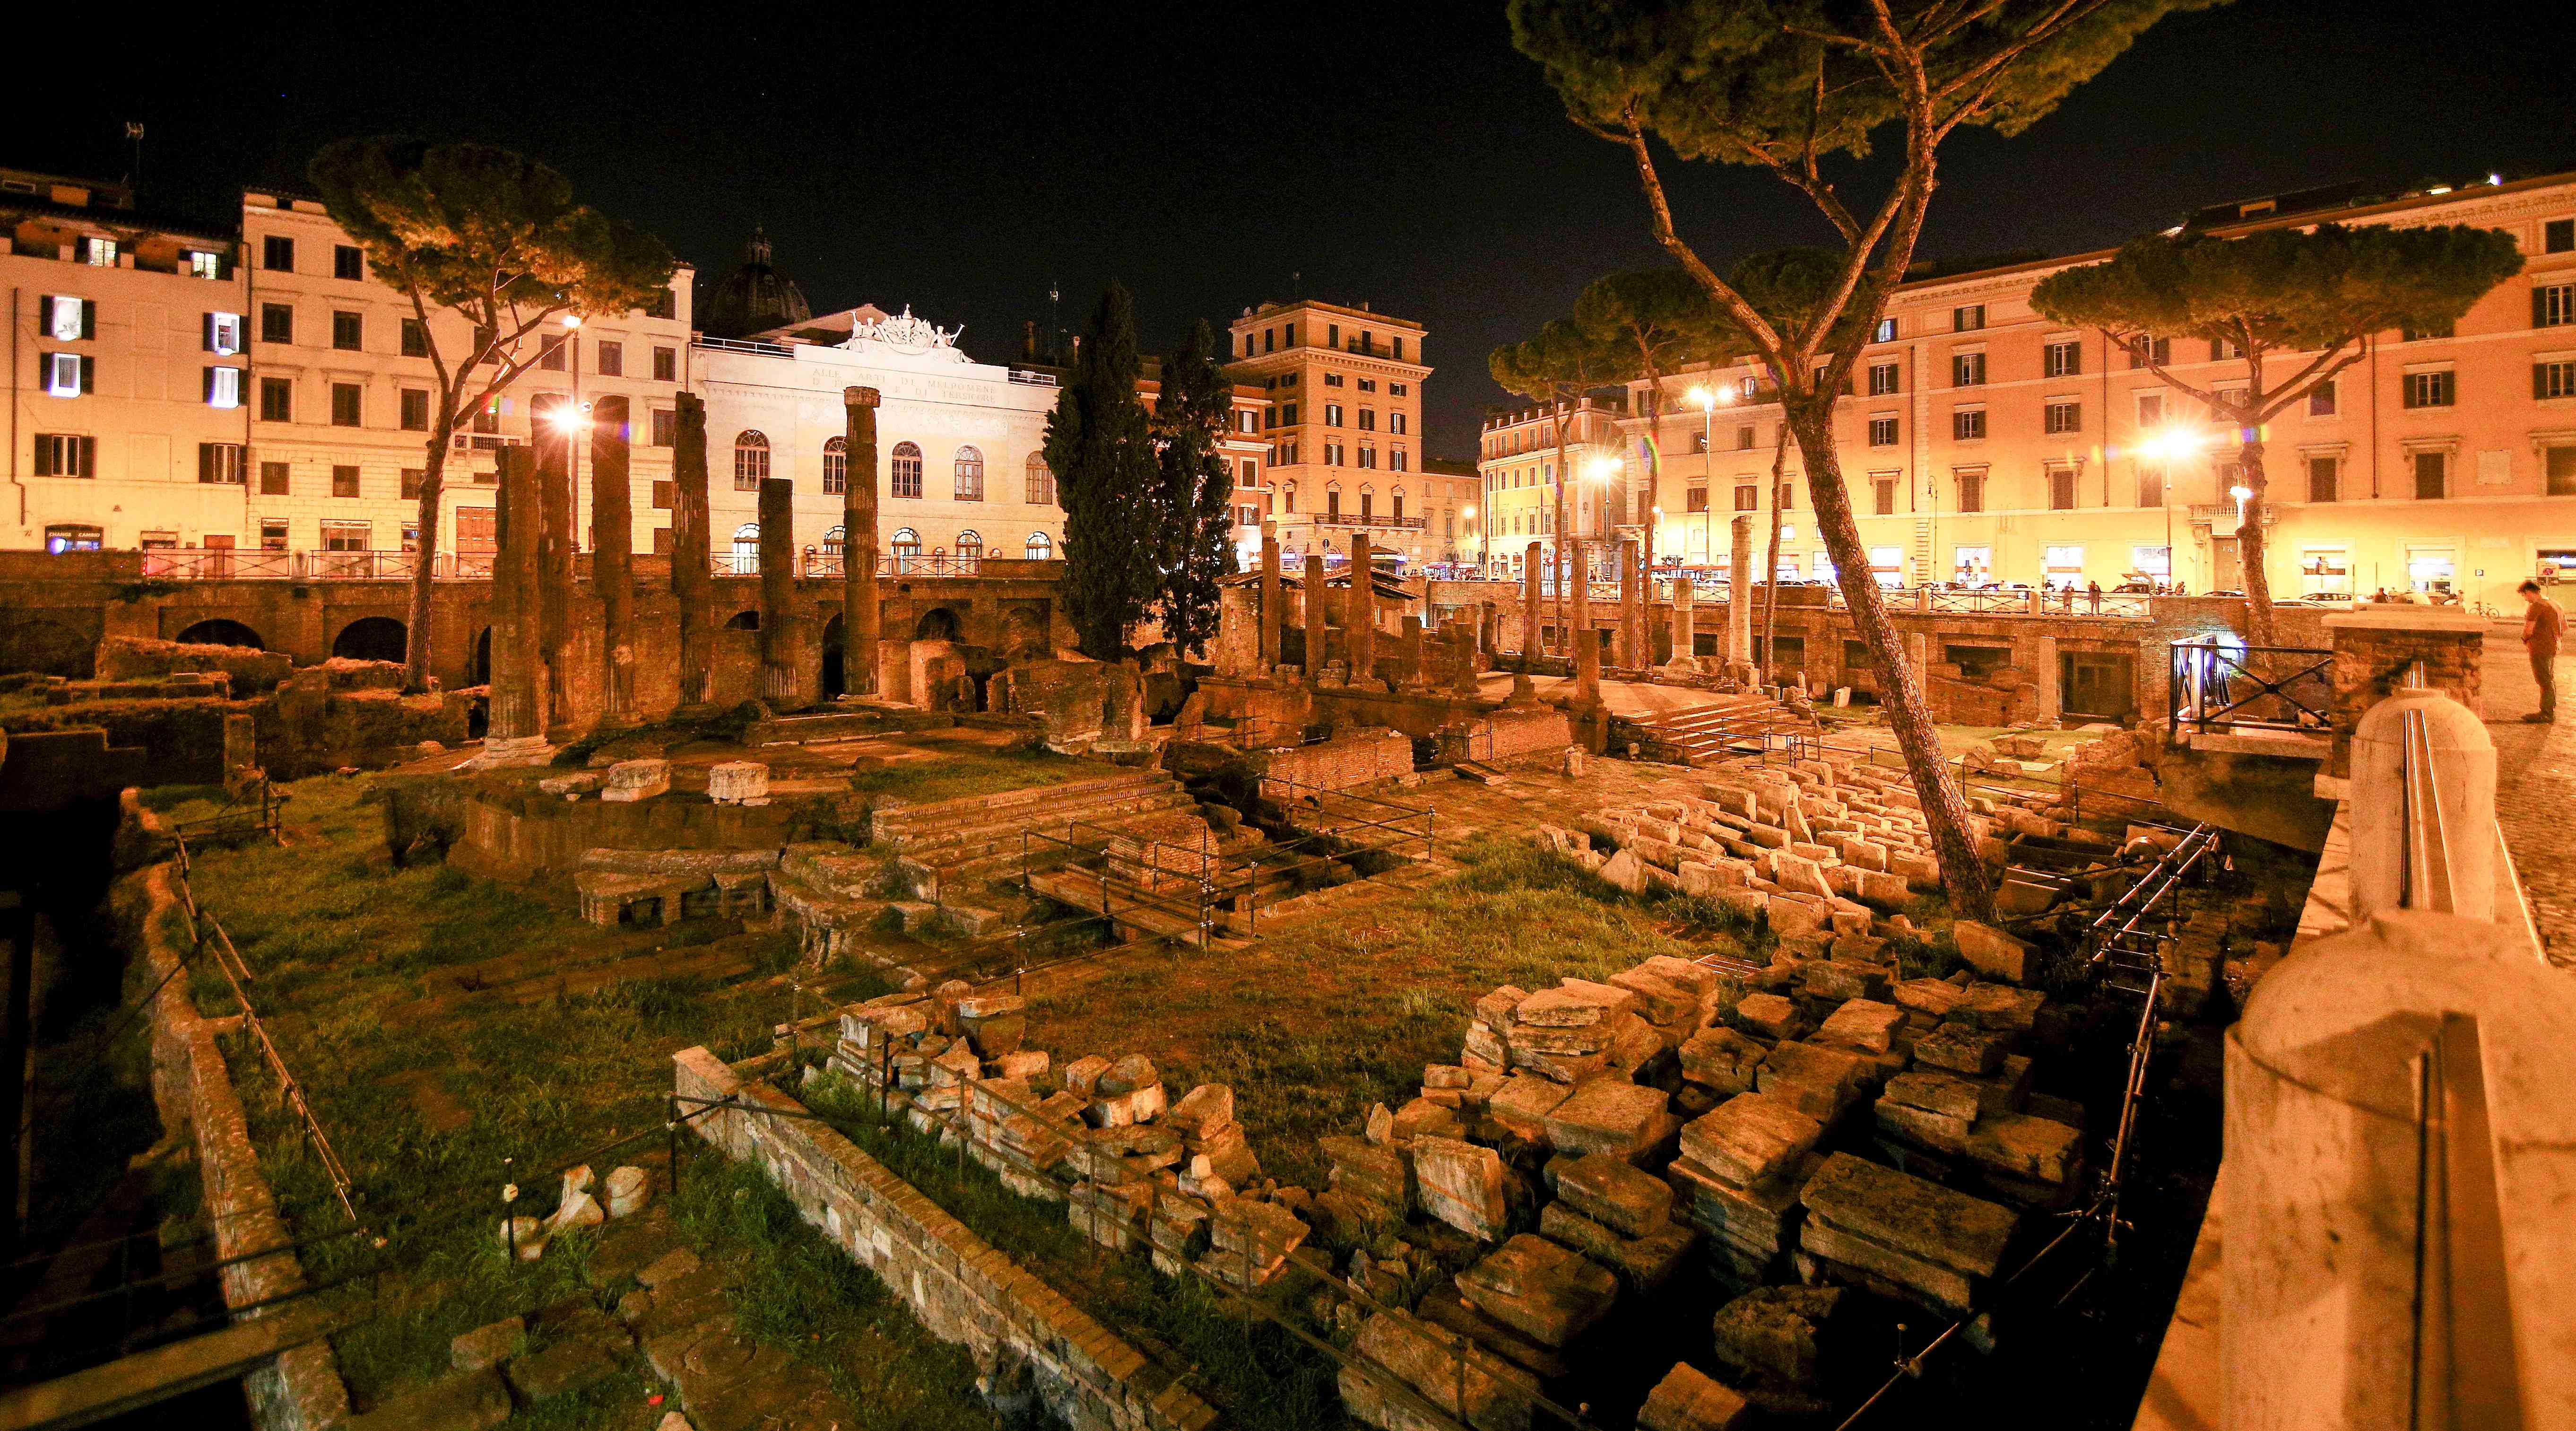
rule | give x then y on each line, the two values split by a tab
612	558
780	684
557	546
861	615
1359	616
692	559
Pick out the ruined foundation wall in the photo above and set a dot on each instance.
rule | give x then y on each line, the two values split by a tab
301	1390
963	1290
1358	758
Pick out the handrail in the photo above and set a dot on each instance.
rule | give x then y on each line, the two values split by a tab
2206	675
262	564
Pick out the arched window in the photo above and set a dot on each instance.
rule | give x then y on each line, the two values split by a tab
1398	496
750	461
834	540
836	465
746	548
906	546
970	475
1288	496
970	546
1039	547
904	472
1041	481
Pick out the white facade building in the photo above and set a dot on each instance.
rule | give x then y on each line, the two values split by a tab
961	471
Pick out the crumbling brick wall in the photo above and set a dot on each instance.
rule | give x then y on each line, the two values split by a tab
1357	758
253	671
1514	734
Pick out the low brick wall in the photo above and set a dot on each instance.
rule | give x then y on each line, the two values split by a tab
2374	646
301	1390
1519	733
960	1287
1359	758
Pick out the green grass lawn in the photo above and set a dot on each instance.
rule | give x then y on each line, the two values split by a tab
958	771
340	945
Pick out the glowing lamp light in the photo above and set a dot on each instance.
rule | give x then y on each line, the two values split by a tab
2241	494
1605	468
569	419
2169	444
1468	511
572	320
1701	398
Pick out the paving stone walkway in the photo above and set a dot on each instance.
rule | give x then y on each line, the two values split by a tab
2535	786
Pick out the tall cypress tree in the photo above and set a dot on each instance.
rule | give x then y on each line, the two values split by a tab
1102	449
1197	506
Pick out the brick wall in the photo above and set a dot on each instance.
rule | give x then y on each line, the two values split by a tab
1357	758
1514	734
2375	646
961	1288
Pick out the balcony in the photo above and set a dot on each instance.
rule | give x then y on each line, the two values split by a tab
220	564
1353	519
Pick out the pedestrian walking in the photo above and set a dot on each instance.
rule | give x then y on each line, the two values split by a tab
2543	622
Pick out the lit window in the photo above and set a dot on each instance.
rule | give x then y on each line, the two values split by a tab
65	374
68	320
903	471
969	469
204	265
223	333
836	465
223	387
99	252
1038	547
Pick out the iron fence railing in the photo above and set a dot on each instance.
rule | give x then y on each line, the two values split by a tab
236	564
2218	686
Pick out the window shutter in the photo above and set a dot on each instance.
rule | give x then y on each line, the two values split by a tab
206	332
88	457
205	462
89	374
208	392
2539	305
89	318
2539	377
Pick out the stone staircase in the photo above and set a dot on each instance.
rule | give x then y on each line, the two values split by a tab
955	850
1721	729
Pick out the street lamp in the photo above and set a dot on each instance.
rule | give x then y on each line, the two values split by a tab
1603	471
2168	445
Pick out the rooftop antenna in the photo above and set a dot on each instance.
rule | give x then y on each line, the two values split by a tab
134	135
1055	320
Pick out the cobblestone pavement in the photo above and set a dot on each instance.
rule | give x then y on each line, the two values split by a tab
2535	786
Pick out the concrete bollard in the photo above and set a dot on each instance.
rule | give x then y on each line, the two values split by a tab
2463	843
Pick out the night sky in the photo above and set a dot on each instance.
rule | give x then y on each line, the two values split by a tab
962	158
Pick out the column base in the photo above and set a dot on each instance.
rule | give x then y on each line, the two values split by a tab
512	752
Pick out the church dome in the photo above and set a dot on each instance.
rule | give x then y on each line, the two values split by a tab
753	298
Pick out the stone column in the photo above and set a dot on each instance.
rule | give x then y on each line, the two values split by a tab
1489	634
1359	613
861	616
692	555
612	559
1636	649
1408	656
1581	612
1739	593
1530	598
2050	698
557	546
1270	613
780	682
1587	663
516	735
1684	597
1310	614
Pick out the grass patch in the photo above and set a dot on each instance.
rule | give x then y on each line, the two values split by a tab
959	771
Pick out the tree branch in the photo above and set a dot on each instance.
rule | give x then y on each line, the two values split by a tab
2309	378
1763	335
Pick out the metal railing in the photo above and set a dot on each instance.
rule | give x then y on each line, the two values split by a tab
2219	686
1355	519
243	564
825	564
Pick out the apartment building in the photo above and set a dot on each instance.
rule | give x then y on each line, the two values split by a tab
341	395
129	367
1983	443
1343	425
1518	473
1452	511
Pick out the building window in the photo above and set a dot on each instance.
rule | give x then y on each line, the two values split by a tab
2321	399
1967	370
201	264
1041	480
277	253
666	365
970	546
2558	236
1968	424
348	331
344	481
2151	409
2223	350
277	399
1882	496
1748	497
550	351
2554	380
1395	422
1744	439
2418	335
415	338
2429	389
67	320
1368	419
969	469
905	544
223	387
664	494
63	454
2432	473
666	427
2061	489
750	461
273	480
338	536
1038	547
1882	432
1695	500
2150	352
272	534
1288	415
1885	332
348	263
223	334
2065	417
836	465
1968	318
2061	360
276	323
347	404
905	470
612	360
66	374
2560	467
2325	479
1972	491
2151	486
1882	379
415	410
1396	461
1332	414
409	486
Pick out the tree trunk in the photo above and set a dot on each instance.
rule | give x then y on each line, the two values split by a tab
433	481
1945	813
2249	539
1771	570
